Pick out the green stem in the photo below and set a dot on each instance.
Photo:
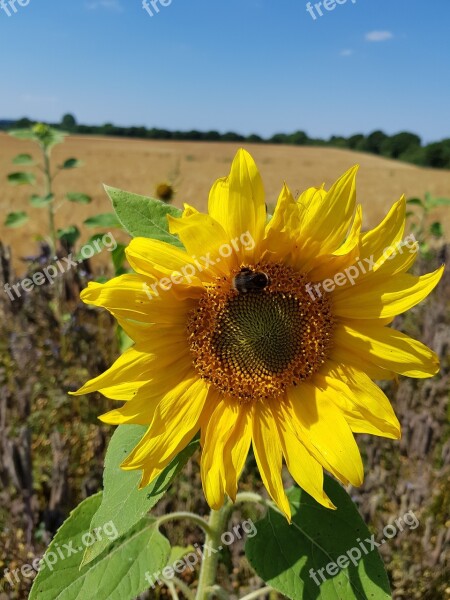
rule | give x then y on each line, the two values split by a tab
257	593
48	191
218	591
171	587
218	521
185	515
213	529
187	592
250	497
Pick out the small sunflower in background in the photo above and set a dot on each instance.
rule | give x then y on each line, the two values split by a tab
165	191
250	346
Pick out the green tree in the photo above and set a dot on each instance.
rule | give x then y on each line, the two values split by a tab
338	141
254	138
298	138
278	138
400	143
231	136
356	141
68	123
374	142
212	136
438	154
23	122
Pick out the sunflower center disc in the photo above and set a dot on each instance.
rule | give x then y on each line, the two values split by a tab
254	344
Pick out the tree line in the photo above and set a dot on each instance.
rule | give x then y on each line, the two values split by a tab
403	146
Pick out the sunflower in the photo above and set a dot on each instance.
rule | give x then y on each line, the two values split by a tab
164	191
241	336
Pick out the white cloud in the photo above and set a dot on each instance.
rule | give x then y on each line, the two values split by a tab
378	36
346	52
112	5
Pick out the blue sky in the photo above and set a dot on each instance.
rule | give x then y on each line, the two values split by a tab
251	66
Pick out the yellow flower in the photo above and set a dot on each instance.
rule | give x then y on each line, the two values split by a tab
264	333
164	191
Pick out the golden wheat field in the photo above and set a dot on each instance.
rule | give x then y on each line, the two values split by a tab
139	165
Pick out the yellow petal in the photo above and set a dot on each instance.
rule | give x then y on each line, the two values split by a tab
268	454
384	298
161	260
236	450
303	249
212	402
344	356
212	478
364	405
281	234
285	217
132	367
124	295
162	347
328	217
396	260
388	233
141	408
175	422
218	431
133	302
189	210
383	252
326	266
238	202
305	469
320	425
206	241
311	198
388	348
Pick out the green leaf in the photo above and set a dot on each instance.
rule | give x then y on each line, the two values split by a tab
283	555
40	201
144	217
23	159
71	163
416	201
69	234
104	220
118	258
23	134
21	178
123	502
178	552
16	219
436	229
436	202
119	574
79	198
124	339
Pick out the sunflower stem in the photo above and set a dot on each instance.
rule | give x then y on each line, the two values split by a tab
183	588
218	520
218	591
171	587
251	497
185	515
257	593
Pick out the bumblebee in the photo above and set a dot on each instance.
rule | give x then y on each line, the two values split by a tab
248	280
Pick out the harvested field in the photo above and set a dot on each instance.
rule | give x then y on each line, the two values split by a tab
139	165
